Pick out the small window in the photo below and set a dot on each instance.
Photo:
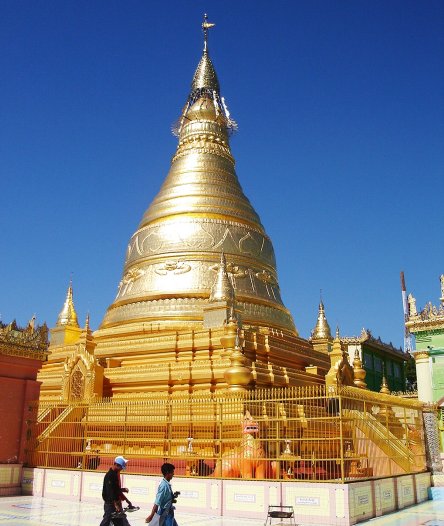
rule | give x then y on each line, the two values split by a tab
368	361
378	364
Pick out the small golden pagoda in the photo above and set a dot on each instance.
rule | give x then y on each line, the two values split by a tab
321	337
199	270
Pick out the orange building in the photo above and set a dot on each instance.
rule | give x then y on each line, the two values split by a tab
22	351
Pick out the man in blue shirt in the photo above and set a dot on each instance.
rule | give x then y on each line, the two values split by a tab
163	504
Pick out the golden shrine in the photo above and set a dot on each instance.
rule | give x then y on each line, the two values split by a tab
199	258
197	360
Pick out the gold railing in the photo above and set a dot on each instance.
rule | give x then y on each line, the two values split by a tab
293	434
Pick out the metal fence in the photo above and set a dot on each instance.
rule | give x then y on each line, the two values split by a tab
291	433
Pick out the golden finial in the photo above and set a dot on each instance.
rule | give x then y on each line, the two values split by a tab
238	376
232	314
228	339
322	328
222	289
384	387
206	26
337	347
385	411
205	77
31	323
359	373
68	315
237	343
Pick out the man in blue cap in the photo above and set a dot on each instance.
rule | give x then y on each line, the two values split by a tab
111	493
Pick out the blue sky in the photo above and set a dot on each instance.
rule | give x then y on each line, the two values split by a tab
340	106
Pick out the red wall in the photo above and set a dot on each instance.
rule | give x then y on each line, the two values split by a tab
18	386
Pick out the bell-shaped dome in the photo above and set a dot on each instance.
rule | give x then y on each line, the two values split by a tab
173	258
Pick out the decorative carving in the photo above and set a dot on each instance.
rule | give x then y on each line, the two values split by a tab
412	305
266	277
420	355
366	336
79	372
433	457
175	267
77	386
234	270
430	312
27	342
200	234
132	275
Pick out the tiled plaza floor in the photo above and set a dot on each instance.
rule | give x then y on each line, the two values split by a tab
36	511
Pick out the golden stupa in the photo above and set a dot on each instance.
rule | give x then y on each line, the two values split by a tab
187	359
200	267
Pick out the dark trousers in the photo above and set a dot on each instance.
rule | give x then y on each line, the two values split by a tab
109	509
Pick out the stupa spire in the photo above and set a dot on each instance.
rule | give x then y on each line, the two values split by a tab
322	328
385	389
205	27
68	314
222	289
205	77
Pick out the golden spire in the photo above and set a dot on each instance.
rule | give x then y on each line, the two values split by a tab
87	327
222	289
205	77
359	373
205	27
384	387
86	336
238	376
199	211
322	328
68	315
331	379
385	410
337	347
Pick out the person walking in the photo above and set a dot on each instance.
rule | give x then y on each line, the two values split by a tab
111	493
163	508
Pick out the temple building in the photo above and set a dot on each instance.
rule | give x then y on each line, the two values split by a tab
197	361
427	326
22	352
378	359
199	268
